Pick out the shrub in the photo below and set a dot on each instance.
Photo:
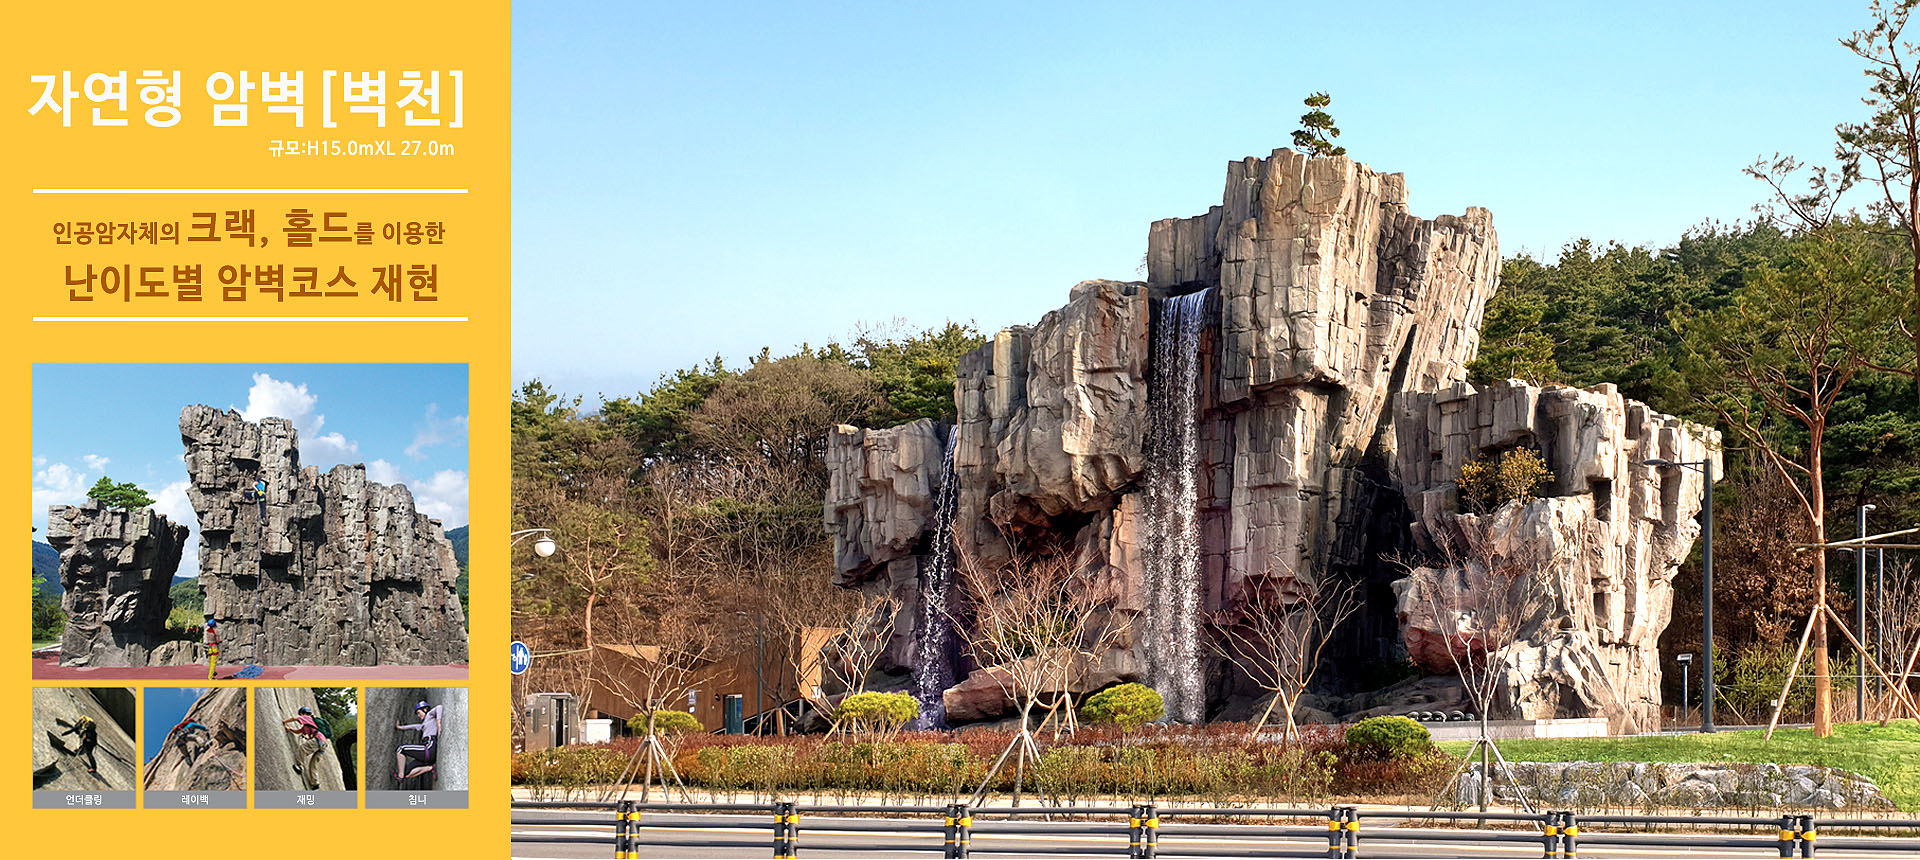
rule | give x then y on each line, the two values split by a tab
883	712
1486	484
666	723
568	767
1128	706
1389	738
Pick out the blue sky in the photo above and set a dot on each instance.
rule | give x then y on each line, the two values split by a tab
407	422
163	707
693	179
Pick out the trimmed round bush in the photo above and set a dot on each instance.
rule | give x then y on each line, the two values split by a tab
1389	738
1128	706
666	723
880	711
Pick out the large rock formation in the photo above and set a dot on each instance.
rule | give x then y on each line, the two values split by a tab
219	766
1237	416
1607	535
115	568
280	758
59	762
330	568
389	705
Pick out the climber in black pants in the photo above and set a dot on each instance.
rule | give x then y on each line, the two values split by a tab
89	735
422	752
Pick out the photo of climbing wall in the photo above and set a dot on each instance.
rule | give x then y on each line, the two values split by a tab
306	742
416	747
312	534
195	742
83	756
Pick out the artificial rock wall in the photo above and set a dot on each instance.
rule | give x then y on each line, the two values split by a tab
332	569
1334	321
115	571
1608	531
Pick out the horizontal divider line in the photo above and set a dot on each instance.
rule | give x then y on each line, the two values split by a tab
249	190
250	319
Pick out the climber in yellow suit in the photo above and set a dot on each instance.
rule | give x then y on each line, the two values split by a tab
213	649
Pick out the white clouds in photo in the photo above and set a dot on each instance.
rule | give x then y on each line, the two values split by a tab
437	431
277	398
443	495
95	462
58	484
172	503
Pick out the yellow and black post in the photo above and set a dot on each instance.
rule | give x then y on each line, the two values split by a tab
1351	824
963	830
1808	833
1136	832
622	848
1789	834
1550	835
1336	836
1569	835
951	832
1150	827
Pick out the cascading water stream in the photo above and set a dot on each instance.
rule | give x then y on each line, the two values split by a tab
933	668
1170	539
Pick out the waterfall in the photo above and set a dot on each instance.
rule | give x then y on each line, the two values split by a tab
1170	534
933	670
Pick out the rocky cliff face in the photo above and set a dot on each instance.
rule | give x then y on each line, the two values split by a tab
280	758
1608	534
115	567
59	764
330	568
1302	331
387	705
220	766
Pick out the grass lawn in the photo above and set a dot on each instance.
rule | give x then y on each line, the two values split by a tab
1890	756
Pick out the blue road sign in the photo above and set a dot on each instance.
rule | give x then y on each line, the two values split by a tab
522	658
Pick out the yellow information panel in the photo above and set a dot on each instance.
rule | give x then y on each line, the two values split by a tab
312	199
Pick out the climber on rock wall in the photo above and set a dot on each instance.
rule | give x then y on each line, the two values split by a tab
192	738
89	737
213	649
313	731
258	495
422	752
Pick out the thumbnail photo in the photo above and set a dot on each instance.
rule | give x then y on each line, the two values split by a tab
220	521
307	739
416	739
196	739
83	739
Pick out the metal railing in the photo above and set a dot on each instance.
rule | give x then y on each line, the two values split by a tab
1139	830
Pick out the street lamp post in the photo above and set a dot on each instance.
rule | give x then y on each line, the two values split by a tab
1705	467
543	546
1860	618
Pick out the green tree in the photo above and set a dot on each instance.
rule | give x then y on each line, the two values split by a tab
916	372
1773	363
1317	131
337	706
1880	154
657	419
1513	343
124	496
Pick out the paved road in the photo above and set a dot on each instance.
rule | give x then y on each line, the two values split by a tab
668	835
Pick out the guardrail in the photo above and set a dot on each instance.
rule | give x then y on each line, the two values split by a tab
1560	834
